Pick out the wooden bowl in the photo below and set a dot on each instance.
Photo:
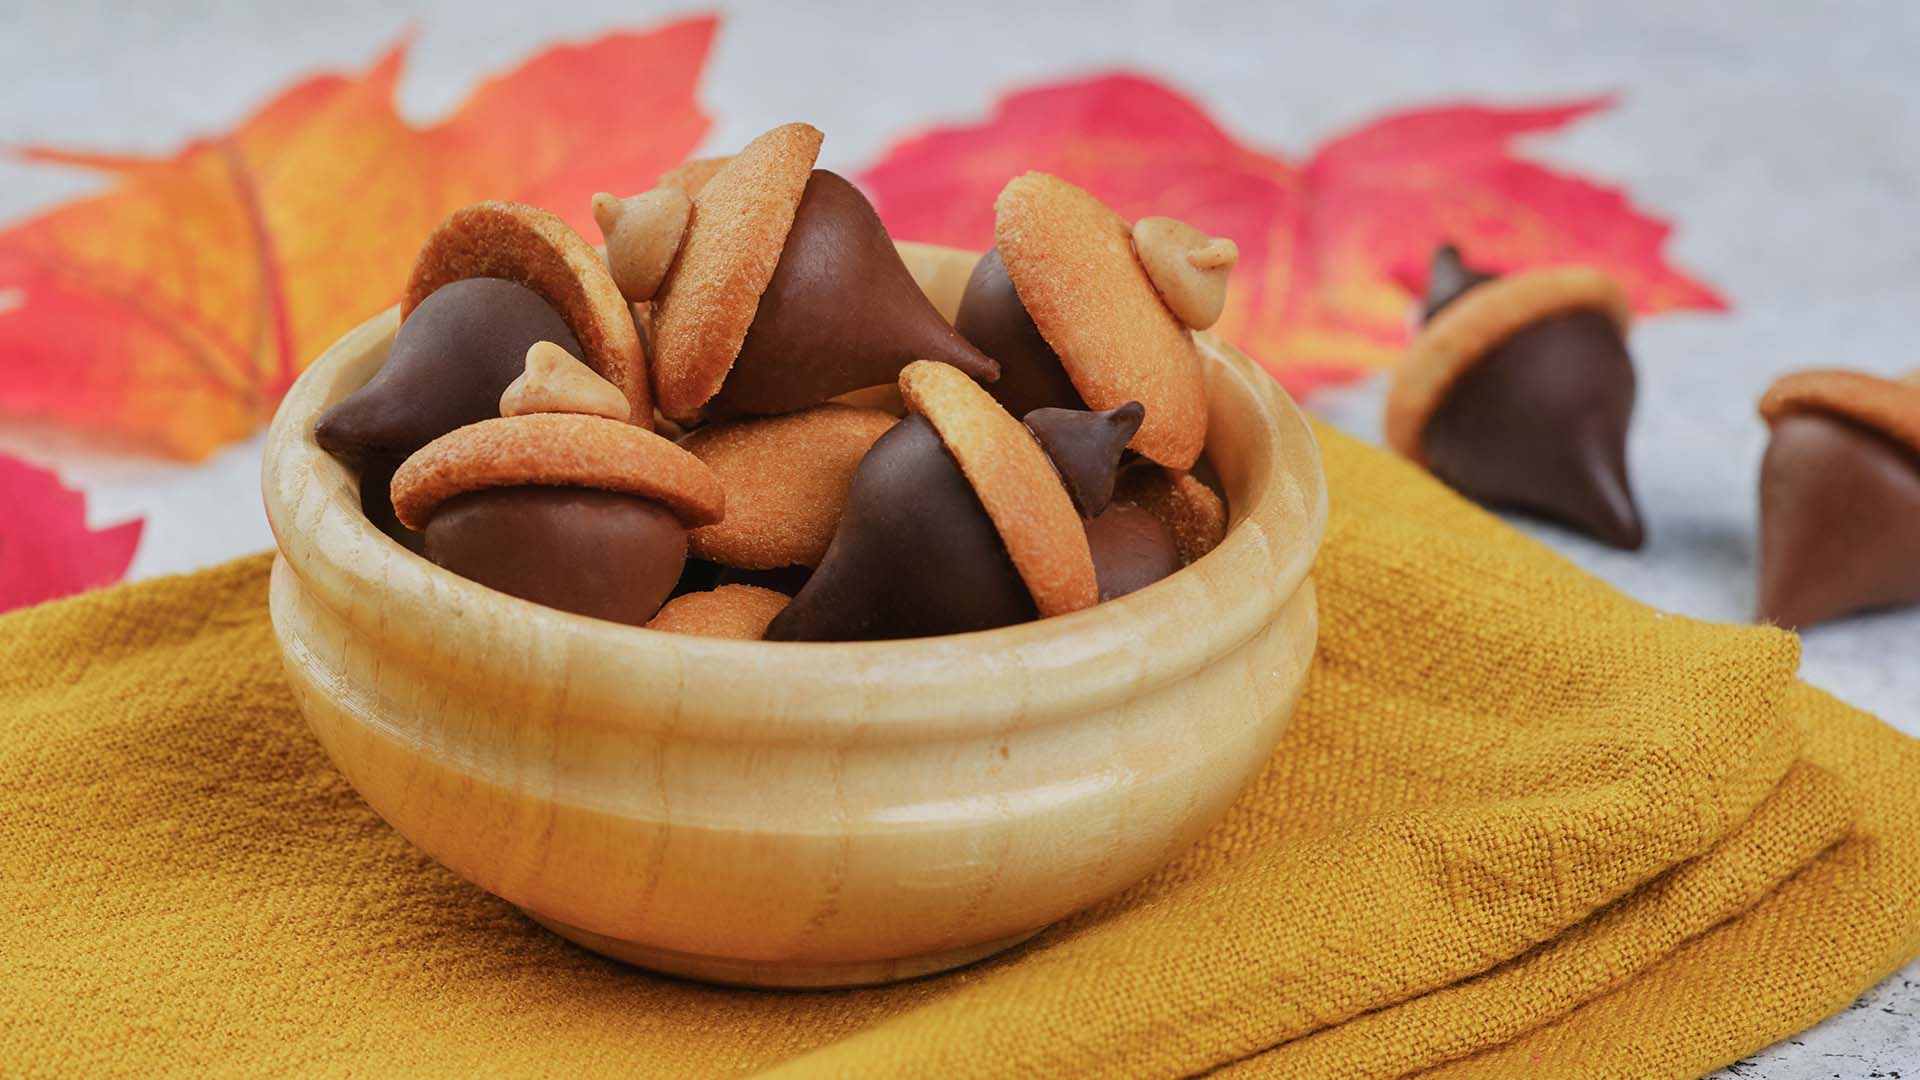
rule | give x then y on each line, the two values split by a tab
783	814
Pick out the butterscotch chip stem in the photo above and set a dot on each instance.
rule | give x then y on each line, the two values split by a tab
554	382
1188	268
643	232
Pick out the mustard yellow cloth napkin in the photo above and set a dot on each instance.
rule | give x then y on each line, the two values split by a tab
1521	825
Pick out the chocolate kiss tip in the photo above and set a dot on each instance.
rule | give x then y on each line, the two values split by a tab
1448	276
1598	500
606	210
1085	447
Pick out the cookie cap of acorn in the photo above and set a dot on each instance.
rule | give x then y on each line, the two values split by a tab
1474	325
1016	483
534	248
741	216
741	612
786	478
1889	406
1072	261
555	431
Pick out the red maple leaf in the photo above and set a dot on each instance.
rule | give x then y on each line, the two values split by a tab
46	549
1330	251
174	310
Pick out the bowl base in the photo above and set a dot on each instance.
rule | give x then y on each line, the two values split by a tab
776	975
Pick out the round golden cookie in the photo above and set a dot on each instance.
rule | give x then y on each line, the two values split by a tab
1188	508
1474	325
1890	406
786	479
532	247
1015	481
730	611
555	449
1071	261
691	176
740	221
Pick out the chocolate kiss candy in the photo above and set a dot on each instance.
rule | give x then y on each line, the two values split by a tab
992	317
605	554
1839	521
1132	549
915	554
1448	277
841	313
1085	447
1539	423
450	362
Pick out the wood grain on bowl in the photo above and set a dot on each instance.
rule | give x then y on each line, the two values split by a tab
797	814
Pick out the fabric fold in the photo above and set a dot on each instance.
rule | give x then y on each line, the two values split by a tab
1519	822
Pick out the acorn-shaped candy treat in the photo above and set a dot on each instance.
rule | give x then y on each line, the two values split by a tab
787	291
956	520
492	279
1518	392
1839	496
1084	311
559	500
786	479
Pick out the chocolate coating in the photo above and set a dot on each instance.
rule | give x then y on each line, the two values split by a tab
992	317
841	313
598	553
915	554
450	362
376	501
1839	521
1085	448
1132	549
1448	277
1540	425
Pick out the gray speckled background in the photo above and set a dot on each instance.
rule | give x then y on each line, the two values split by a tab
1782	137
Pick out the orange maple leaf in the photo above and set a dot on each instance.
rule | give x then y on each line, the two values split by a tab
1330	251
173	311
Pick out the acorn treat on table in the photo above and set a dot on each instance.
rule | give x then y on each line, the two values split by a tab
1518	392
509	435
559	500
1083	310
1839	496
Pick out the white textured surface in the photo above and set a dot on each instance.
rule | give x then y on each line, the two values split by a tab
1783	137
